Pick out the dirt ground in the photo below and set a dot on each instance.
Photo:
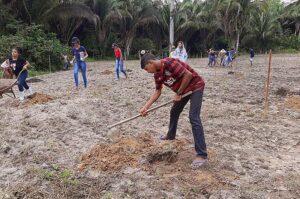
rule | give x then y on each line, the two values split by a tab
57	144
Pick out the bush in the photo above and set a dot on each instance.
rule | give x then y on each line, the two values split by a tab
37	47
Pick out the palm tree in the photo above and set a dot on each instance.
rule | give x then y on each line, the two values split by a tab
264	25
195	17
133	14
291	16
66	18
233	18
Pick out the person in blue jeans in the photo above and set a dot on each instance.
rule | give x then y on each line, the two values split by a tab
19	67
119	61
80	54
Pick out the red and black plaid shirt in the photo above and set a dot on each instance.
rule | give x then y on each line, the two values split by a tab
171	75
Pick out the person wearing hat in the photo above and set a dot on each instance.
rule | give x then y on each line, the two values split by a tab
119	61
80	54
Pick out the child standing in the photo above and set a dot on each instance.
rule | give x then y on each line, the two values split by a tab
181	78
211	58
222	55
19	67
80	54
119	61
251	56
66	62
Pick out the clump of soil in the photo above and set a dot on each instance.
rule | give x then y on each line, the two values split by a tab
157	156
130	151
125	151
293	102
106	72
282	92
38	98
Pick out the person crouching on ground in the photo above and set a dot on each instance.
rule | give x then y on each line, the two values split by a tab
7	70
119	61
181	78
80	54
19	67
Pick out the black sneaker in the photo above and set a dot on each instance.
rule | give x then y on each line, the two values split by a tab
164	137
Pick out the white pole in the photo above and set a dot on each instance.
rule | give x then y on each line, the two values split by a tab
172	6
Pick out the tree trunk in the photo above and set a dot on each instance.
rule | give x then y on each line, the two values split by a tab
27	11
171	24
101	35
128	44
237	42
297	28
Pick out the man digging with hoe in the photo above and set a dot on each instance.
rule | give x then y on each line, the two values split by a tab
181	78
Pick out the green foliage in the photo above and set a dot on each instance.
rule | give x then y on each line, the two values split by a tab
287	44
37	47
142	44
56	174
144	24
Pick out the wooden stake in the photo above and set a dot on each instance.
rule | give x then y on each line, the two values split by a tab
49	63
268	84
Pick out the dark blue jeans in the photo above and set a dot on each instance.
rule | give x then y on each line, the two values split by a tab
120	65
82	66
22	81
194	115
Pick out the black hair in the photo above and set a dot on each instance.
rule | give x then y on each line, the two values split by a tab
18	49
146	58
114	45
75	40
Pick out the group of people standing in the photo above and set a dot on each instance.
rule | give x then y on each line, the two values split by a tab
226	57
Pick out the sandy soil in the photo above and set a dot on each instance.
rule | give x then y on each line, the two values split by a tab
60	146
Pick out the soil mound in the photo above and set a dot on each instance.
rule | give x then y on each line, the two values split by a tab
293	102
282	92
106	72
130	152
38	98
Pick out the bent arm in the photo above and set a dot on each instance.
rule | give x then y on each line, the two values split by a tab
85	55
153	98
187	76
27	65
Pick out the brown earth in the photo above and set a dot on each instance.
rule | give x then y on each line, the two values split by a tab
293	102
63	148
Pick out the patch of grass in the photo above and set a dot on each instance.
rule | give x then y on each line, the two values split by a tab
107	195
91	59
55	174
33	73
286	51
47	175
